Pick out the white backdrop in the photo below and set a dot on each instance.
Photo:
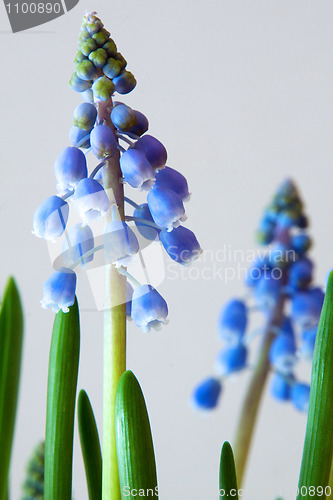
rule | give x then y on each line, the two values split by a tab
240	93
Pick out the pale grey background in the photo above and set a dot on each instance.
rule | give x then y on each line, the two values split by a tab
240	92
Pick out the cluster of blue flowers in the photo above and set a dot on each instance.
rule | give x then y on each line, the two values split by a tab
116	135
280	284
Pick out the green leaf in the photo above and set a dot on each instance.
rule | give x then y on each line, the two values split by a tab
135	449
61	392
318	444
11	337
90	446
228	481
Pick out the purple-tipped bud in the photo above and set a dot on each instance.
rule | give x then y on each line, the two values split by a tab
141	125
124	82
123	117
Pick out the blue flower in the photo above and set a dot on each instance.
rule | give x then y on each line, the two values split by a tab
76	136
148	232
149	309
280	387
301	243
181	244
287	328
59	290
169	178
120	243
231	359
206	394
103	141
232	321
79	240
257	269
267	292
308	343
282	354
70	167
166	207
153	149
136	169
300	395
50	218
300	273
306	307
90	199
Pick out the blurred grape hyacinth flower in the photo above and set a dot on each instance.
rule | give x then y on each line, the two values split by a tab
280	284
116	135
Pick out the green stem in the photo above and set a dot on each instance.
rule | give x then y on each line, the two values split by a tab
251	403
114	327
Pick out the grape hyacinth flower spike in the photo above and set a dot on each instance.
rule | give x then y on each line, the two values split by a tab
109	159
281	291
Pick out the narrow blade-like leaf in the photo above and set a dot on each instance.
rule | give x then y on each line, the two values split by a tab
11	337
228	481
61	392
318	444
90	446
135	449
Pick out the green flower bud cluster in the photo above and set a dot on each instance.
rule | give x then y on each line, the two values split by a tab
284	212
33	487
98	64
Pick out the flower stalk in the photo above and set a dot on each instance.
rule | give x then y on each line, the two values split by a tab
114	326
250	407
